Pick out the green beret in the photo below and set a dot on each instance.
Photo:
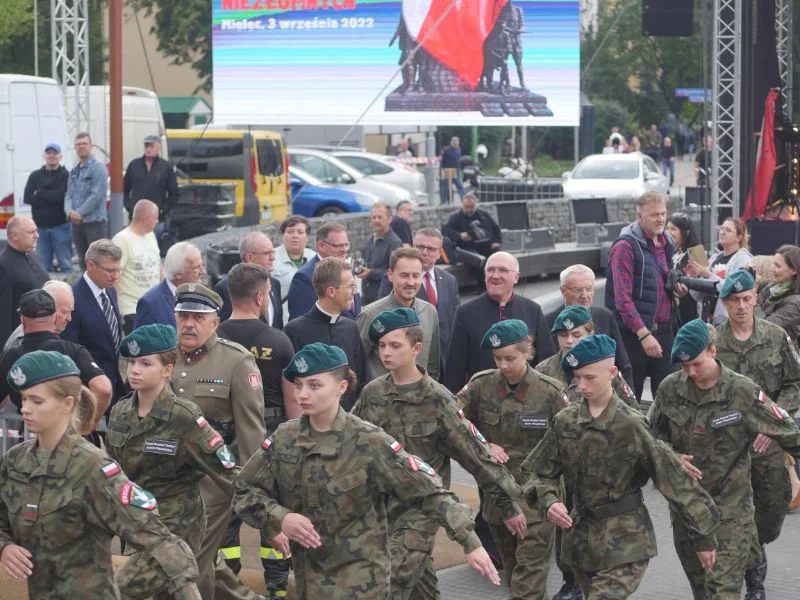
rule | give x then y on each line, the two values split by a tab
148	339
590	349
315	358
389	320
195	297
39	366
571	317
505	333
738	281
690	341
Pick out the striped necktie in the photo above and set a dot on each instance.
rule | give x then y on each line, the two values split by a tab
111	319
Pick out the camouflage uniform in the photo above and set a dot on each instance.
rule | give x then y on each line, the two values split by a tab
222	378
717	427
552	368
606	461
340	480
424	417
66	508
167	452
516	419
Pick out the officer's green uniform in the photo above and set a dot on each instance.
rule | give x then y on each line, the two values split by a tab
168	450
717	427
769	358
606	460
515	418
66	506
425	419
222	378
340	480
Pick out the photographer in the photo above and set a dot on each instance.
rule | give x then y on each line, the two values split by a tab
475	230
636	291
734	255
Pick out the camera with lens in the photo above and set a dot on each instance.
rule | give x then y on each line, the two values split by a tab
358	267
703	286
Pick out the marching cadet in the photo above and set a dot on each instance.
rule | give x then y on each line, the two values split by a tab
423	416
763	352
322	481
711	416
222	378
513	406
62	500
572	325
606	452
162	441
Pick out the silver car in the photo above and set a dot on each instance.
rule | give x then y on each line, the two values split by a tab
614	176
330	169
386	170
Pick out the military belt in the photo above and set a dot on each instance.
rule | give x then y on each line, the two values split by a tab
605	511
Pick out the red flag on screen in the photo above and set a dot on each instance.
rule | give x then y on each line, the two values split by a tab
765	162
455	40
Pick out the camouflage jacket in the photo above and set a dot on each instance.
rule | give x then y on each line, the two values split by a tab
169	450
66	510
340	480
605	460
717	427
425	418
552	367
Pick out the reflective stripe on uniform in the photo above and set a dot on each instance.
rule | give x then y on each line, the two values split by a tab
231	553
279	593
271	554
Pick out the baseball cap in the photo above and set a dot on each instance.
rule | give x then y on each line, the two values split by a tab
152	139
53	146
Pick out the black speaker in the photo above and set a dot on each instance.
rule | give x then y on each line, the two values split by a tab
512	215
768	236
589	210
667	17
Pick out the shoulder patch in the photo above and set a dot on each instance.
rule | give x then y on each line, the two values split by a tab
761	397
417	464
779	413
111	469
131	494
254	379
215	441
266	443
201	421
226	457
396	446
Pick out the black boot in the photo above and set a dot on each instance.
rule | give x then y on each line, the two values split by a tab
569	591
754	579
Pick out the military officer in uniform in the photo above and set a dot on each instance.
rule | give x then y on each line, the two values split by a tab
322	482
606	452
570	326
513	406
422	416
711	416
222	378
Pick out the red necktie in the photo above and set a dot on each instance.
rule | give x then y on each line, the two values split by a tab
429	291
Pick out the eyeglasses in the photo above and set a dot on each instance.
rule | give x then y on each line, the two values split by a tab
499	271
350	286
109	270
345	246
431	249
577	290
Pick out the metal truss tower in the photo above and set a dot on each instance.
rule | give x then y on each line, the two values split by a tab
784	13
69	31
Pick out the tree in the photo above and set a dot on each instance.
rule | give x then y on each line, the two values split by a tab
15	15
183	29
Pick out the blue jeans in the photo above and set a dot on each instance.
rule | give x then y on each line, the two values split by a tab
444	189
56	241
668	166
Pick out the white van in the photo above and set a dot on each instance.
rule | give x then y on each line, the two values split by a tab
141	116
31	116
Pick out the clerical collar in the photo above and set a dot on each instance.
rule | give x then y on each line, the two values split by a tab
333	317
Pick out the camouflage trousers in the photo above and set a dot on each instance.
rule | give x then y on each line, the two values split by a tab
772	492
413	576
140	576
155	574
526	562
611	584
734	542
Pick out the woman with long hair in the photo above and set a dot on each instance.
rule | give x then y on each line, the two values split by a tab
681	228
163	442
734	254
779	299
62	500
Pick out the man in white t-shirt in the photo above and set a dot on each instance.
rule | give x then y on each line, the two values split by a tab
141	259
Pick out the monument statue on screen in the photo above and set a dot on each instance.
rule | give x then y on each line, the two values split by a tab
449	60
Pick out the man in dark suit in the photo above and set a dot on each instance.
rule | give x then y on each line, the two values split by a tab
96	321
255	247
439	287
332	240
577	287
183	264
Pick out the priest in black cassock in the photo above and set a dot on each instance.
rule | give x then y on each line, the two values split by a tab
473	319
334	284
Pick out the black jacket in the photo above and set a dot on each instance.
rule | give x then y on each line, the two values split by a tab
45	193
159	184
19	273
480	226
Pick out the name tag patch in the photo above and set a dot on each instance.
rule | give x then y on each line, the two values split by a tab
163	447
726	419
533	422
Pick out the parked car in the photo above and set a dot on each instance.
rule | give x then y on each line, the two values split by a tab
614	176
330	169
314	198
387	170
